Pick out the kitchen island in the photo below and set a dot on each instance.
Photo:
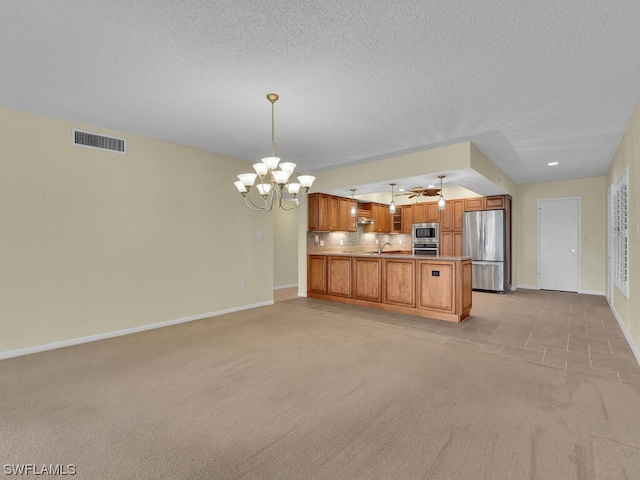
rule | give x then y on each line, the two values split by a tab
433	287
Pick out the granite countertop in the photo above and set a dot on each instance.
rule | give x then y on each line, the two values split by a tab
387	255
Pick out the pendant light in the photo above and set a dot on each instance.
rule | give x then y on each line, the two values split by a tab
392	205
441	202
353	210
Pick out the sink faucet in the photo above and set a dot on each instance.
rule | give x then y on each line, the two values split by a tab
381	247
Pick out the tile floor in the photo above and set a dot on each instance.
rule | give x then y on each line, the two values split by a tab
573	332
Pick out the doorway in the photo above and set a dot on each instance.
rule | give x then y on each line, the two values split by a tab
559	244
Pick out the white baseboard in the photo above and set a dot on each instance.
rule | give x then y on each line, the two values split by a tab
634	347
592	292
127	331
534	287
280	287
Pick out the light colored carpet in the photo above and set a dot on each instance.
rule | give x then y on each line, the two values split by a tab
298	391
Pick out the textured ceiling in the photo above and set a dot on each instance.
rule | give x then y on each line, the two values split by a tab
529	82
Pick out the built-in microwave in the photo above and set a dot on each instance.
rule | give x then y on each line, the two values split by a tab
426	232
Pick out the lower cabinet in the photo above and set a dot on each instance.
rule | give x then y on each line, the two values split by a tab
436	284
339	276
366	279
431	288
317	274
398	280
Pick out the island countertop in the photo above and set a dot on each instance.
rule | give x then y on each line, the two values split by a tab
428	286
391	255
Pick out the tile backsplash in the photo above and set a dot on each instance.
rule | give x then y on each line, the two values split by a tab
356	240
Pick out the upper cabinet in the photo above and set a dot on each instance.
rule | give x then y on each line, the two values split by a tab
328	213
346	222
495	202
425	212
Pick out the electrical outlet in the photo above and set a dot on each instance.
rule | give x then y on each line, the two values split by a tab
322	243
377	241
399	242
260	234
242	284
341	242
317	238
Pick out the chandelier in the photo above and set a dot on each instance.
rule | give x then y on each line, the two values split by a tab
274	187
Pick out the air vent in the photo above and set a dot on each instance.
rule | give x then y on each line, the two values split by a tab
93	140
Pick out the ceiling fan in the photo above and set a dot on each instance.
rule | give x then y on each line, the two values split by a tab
421	191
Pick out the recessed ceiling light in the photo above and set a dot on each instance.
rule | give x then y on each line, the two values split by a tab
551	164
401	189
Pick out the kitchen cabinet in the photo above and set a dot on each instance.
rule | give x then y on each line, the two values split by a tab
398	282
317	274
425	212
397	225
451	244
323	212
407	219
451	228
444	286
339	276
495	202
428	287
346	223
381	219
328	213
366	279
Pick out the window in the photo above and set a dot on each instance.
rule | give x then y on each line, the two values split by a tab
620	233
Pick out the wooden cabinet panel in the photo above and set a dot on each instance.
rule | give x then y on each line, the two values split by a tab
436	285
366	279
432	213
381	219
398	280
407	219
312	205
451	216
397	225
473	204
458	212
418	213
346	223
494	203
466	286
339	276
317	273
451	244
425	212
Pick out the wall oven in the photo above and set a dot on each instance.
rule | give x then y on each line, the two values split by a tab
426	232
426	249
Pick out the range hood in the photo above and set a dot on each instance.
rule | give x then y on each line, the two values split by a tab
364	220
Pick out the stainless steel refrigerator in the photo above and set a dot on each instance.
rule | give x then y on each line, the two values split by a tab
483	239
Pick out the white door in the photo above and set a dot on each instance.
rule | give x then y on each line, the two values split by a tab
559	244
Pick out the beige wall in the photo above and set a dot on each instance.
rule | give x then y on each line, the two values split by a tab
285	247
95	242
593	258
628	156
